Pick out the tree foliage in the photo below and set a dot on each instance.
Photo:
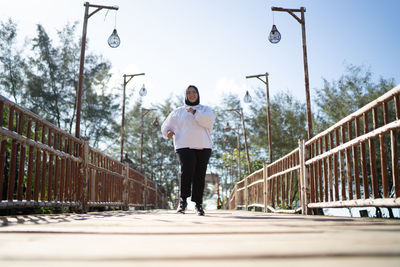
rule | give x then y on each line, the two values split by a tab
353	90
288	123
45	80
12	63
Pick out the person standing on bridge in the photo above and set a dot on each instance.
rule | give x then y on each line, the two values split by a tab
190	127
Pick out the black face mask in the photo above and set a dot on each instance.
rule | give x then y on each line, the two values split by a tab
187	102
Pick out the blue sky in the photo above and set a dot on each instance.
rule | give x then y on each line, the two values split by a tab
215	44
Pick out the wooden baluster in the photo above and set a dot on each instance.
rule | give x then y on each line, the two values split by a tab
68	178
286	183
312	177
97	184
385	182
393	142
78	181
56	167
291	176
107	180
97	178
336	165
272	188
282	181
13	163
326	183
364	159
315	167
71	189
278	185
36	188
348	164
50	175
62	140
90	189
73	173
328	146
30	163
316	179
3	146
44	162
11	178
321	186
372	157
355	160
268	189
382	146
21	170
103	183
342	169
76	172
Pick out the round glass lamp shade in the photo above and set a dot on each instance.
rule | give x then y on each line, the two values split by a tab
113	40
227	127
274	36
156	123
143	91
247	97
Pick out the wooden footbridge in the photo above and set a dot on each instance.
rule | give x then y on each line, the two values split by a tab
354	163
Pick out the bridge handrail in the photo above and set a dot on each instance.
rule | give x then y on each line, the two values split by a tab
327	170
44	166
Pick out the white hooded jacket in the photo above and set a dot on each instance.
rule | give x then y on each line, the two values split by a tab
191	131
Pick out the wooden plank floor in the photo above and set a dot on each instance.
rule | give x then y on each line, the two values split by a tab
221	238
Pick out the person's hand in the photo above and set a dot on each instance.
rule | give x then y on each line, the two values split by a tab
170	134
193	111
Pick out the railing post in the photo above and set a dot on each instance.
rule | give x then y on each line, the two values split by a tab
266	187
145	193
301	191
307	177
236	197
304	179
246	193
84	176
156	187
125	196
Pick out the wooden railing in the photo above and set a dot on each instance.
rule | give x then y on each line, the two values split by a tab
44	166
354	163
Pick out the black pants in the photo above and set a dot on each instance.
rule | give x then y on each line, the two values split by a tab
193	172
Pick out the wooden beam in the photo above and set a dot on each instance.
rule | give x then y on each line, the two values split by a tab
381	202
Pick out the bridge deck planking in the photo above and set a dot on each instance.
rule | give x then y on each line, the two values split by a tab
222	238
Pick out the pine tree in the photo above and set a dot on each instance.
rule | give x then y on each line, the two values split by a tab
12	63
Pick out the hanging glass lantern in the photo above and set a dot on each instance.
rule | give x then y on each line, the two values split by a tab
143	91
274	36
227	127
247	97
156	123
113	40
